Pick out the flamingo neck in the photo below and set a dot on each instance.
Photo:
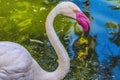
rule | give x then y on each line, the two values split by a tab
63	58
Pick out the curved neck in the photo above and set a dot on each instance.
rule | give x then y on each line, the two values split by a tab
63	58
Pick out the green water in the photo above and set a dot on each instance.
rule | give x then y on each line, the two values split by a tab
23	20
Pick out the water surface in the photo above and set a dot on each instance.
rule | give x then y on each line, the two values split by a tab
21	21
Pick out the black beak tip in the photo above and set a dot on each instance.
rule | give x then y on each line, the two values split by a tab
86	33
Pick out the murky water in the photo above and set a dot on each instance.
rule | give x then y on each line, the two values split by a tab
92	56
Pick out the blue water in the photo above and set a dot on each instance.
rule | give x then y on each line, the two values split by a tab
107	50
107	45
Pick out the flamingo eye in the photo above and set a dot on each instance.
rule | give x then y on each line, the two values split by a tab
75	10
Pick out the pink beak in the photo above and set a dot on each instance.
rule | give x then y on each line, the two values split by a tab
83	20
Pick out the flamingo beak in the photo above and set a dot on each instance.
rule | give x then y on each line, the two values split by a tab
83	20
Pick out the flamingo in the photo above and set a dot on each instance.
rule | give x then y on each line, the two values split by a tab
16	63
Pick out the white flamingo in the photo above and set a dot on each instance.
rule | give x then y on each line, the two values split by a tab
16	63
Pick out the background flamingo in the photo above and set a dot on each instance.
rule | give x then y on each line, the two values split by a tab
16	62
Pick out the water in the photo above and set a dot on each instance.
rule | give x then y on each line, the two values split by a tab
105	28
95	56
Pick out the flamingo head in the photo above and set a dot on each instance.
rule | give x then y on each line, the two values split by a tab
69	9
